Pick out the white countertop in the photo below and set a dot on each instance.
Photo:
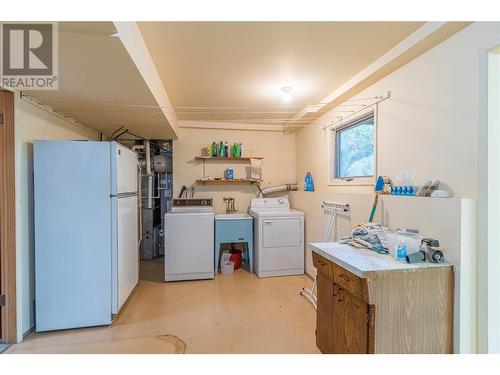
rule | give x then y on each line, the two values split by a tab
236	216
363	261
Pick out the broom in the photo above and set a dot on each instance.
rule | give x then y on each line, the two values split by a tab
379	186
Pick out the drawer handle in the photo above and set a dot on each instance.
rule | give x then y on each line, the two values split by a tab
321	263
345	277
240	239
341	295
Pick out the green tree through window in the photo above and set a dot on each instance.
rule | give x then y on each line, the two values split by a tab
355	150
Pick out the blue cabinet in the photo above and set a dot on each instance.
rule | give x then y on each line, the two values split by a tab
234	229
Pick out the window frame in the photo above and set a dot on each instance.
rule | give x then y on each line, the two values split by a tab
333	180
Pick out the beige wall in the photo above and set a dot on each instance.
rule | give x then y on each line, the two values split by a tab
429	126
278	166
31	123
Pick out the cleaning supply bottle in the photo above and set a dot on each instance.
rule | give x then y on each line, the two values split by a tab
221	149
308	182
214	149
226	149
401	251
240	150
236	150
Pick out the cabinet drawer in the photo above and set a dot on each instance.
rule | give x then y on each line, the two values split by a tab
323	265
349	281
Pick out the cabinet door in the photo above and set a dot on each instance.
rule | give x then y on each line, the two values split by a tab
324	314
350	322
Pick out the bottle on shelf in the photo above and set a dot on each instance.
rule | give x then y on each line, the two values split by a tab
226	150
235	151
240	150
214	149
308	182
221	149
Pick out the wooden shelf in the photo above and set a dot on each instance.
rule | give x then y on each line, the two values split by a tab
229	158
224	182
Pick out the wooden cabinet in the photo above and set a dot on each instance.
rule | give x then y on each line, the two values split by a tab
342	319
394	311
350	323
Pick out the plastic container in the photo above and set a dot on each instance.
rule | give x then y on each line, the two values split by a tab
229	174
255	169
308	182
395	240
227	268
401	251
236	258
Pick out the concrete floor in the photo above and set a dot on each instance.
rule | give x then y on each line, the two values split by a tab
237	313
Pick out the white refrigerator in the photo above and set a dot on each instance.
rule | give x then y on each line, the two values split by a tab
86	232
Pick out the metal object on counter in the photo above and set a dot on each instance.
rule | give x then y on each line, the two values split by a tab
431	255
437	256
229	205
416	257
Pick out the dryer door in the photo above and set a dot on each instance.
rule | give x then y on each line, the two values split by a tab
281	232
282	247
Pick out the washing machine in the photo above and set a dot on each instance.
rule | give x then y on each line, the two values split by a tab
278	237
189	240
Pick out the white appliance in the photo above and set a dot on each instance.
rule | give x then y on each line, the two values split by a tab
86	232
189	240
278	237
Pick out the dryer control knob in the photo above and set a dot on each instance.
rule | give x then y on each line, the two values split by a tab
281	201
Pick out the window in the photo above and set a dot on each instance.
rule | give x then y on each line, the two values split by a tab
354	149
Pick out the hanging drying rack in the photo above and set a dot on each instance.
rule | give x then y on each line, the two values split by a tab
267	114
334	207
340	119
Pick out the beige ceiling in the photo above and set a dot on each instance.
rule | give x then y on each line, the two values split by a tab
236	69
100	85
212	71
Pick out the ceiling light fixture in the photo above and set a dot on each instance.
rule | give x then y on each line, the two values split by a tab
285	94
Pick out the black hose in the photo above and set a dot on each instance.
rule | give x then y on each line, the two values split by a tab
120	134
116	131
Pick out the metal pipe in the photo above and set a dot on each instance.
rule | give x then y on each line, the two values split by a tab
137	147
139	203
274	189
149	174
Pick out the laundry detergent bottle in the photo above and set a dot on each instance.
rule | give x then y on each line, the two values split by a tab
308	182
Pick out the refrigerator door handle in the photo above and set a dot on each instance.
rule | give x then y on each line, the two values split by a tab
124	195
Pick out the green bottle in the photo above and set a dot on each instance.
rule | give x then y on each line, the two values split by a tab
221	149
214	149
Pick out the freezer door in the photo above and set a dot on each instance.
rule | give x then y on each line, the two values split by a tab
126	251
124	169
72	234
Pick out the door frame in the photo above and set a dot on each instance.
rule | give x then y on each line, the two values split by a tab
8	331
